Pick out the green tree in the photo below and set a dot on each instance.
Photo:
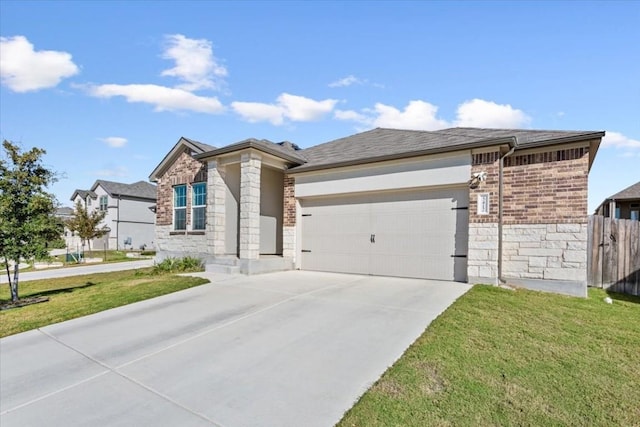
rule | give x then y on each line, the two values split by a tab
27	220
87	224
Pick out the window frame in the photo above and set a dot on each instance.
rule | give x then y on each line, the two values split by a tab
182	208
199	223
106	203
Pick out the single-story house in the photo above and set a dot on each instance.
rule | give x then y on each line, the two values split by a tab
624	204
129	213
465	204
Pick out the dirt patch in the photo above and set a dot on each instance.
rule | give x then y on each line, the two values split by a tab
389	388
22	302
431	382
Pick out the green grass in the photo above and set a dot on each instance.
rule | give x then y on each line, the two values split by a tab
72	297
501	357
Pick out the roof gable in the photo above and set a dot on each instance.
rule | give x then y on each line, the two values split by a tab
284	150
194	147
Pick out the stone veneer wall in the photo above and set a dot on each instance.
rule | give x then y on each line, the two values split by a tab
289	219
250	167
185	170
544	217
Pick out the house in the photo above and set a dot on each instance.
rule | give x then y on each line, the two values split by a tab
130	213
465	204
624	204
71	239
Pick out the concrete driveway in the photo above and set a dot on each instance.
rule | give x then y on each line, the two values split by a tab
283	349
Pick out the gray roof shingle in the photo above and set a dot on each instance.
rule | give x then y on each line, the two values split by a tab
382	143
140	189
285	149
631	192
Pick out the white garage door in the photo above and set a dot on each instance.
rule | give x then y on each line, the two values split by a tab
422	234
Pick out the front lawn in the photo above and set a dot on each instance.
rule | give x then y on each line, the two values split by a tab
72	297
502	357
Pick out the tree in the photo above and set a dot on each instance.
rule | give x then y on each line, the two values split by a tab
27	220
86	224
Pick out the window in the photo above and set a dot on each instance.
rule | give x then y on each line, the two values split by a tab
199	205
483	204
103	202
89	201
617	213
634	212
180	207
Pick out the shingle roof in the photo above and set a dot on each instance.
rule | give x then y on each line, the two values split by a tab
381	143
83	194
200	145
140	189
631	192
284	150
64	211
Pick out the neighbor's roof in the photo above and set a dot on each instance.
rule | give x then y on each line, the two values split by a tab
83	194
64	211
631	192
140	189
385	144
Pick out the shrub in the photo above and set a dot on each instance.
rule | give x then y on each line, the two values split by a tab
178	265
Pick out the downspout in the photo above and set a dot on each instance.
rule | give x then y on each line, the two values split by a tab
500	205
118	225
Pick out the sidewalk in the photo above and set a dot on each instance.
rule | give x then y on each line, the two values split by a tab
79	271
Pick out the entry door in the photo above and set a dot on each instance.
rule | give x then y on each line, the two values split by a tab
422	234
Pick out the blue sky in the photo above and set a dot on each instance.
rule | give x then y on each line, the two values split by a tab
107	88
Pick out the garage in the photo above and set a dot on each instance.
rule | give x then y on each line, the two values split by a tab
413	233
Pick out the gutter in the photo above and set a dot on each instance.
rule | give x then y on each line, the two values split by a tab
514	145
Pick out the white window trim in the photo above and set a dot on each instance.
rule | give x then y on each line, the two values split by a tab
174	208
194	206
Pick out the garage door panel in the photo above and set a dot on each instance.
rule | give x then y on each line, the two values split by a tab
416	234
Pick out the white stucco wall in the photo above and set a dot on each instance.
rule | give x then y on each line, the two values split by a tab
423	171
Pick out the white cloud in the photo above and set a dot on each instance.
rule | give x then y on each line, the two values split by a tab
351	115
119	171
630	147
114	141
346	81
258	112
292	107
22	69
163	98
487	114
195	63
418	115
422	115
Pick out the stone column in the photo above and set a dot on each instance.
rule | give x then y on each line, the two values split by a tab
216	209
250	165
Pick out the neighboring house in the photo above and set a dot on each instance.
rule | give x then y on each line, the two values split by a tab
465	204
624	205
130	213
71	239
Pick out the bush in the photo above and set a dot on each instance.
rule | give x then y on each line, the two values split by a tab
178	265
148	253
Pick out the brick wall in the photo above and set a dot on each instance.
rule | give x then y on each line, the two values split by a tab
185	170
541	188
289	212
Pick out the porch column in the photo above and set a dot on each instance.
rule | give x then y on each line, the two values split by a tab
216	198
250	165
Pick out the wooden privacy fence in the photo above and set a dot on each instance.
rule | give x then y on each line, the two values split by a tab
614	254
